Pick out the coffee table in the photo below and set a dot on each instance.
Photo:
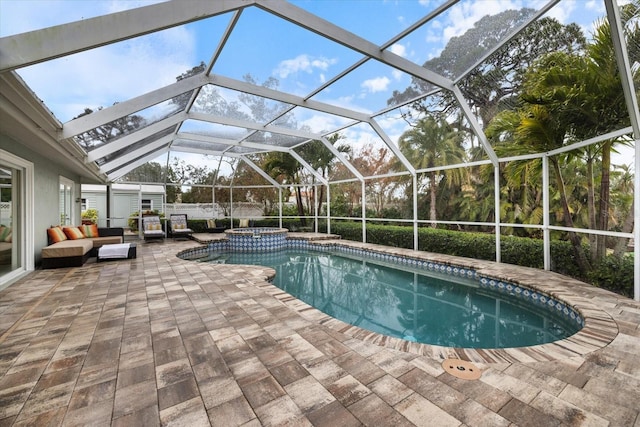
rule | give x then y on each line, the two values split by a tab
117	251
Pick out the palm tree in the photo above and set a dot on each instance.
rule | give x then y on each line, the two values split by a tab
534	128
285	167
321	158
585	91
432	143
623	187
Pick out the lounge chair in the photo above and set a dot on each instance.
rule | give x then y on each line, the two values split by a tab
152	227
178	226
212	227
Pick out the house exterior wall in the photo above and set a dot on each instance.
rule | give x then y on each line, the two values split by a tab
46	191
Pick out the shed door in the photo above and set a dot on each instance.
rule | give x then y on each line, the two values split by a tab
121	210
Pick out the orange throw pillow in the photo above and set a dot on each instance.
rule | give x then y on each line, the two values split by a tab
89	230
73	233
56	234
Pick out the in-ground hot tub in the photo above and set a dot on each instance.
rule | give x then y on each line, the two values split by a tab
256	238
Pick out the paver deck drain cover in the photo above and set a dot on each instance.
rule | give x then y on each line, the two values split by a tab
461	369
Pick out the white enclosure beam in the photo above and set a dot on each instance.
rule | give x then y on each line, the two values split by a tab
288	98
341	158
636	228
131	166
624	66
231	143
610	135
540	12
393	147
496	194
247	124
140	152
122	109
260	171
477	129
363	211
414	182
626	77
132	138
546	233
42	45
223	41
309	168
205	152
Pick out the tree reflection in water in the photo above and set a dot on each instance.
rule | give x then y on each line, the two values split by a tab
426	307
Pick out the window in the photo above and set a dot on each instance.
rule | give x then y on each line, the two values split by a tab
66	201
146	205
83	204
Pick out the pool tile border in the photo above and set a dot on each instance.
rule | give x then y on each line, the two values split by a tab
598	331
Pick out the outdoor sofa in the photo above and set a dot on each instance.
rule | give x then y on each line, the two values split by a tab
71	246
212	227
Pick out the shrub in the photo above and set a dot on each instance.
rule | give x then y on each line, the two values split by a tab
612	273
90	215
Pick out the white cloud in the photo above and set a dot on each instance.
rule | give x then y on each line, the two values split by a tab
598	6
319	123
399	49
101	76
114	73
563	10
303	63
378	84
358	136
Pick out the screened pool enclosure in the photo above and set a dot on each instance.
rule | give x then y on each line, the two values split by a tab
472	115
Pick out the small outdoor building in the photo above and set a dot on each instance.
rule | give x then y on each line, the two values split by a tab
125	200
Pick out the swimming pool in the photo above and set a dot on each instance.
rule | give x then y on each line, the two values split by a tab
420	301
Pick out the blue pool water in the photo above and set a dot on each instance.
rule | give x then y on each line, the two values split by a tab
427	307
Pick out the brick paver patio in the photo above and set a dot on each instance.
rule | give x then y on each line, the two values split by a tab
162	341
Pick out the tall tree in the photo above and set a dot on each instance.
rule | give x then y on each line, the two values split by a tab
102	134
585	91
148	172
285	167
495	84
432	142
623	188
320	158
537	129
372	162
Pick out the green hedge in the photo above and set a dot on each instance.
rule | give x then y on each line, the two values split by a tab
612	273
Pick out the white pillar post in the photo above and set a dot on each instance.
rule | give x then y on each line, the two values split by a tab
546	234
496	180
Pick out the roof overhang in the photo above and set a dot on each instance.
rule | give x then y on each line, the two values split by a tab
25	119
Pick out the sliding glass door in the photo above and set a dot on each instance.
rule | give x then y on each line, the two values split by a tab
16	188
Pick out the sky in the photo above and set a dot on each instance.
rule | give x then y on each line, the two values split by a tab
299	60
